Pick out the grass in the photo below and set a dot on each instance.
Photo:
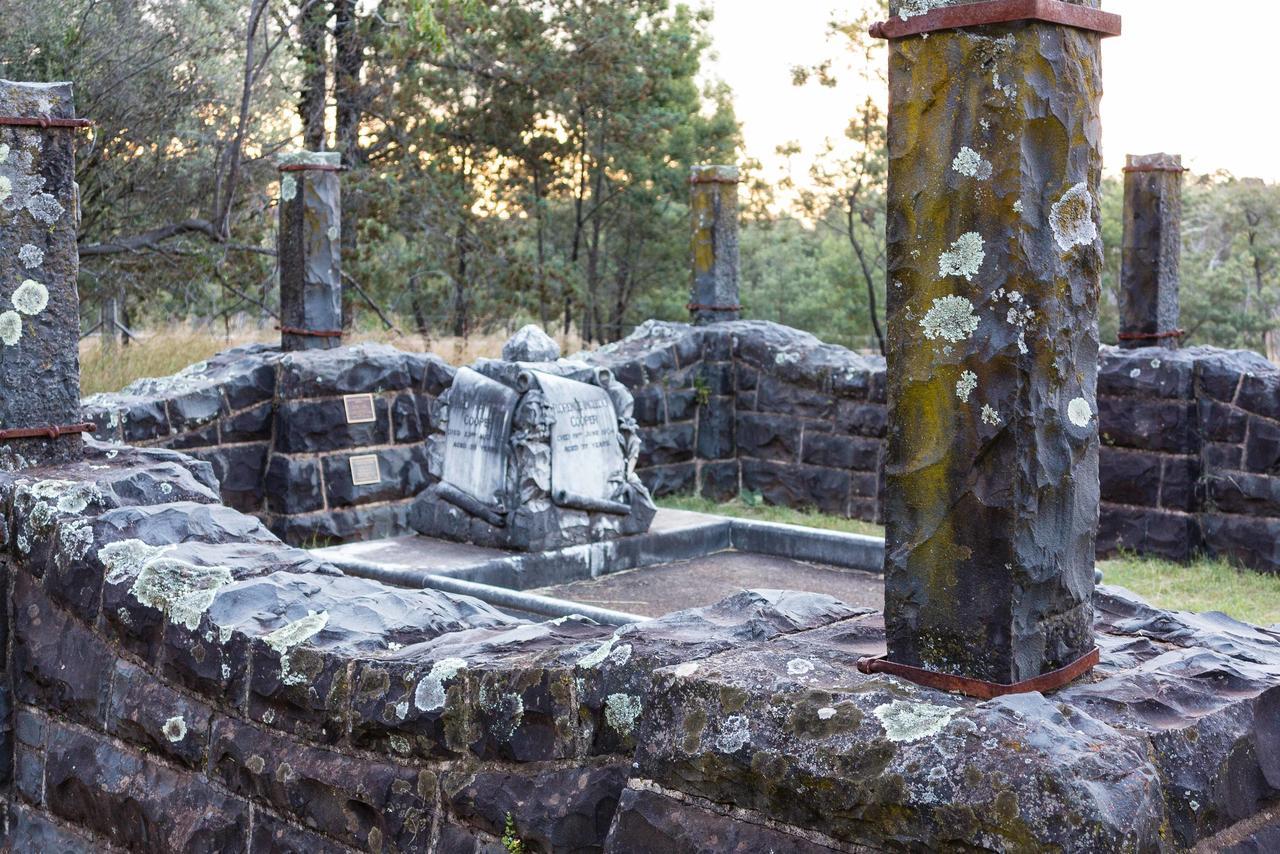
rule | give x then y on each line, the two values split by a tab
159	353
1204	585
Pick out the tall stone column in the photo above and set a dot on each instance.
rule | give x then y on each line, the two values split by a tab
39	305
310	261
714	212
1149	272
991	481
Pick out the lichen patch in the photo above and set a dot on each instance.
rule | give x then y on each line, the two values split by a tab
287	637
10	328
6	189
951	318
175	729
45	208
288	188
430	693
990	415
621	711
735	732
124	559
799	667
183	590
1071	219
31	297
1080	412
965	385
970	164
964	258
31	256
905	721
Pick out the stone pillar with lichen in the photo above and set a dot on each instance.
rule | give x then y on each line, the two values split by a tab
991	481
714	212
310	251
1149	271
39	265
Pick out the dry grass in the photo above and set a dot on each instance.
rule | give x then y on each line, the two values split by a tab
159	353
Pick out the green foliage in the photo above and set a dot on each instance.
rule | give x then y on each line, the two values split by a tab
510	838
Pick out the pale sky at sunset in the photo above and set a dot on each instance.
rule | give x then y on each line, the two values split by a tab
1174	81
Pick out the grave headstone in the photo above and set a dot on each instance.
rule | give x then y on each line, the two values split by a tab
587	468
309	245
478	437
40	418
991	476
1150	264
714	213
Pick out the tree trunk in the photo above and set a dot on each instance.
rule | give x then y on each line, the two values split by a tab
315	80
349	98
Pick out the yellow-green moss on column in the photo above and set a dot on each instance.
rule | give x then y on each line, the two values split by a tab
991	484
713	209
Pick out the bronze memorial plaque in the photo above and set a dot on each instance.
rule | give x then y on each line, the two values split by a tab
365	470
359	408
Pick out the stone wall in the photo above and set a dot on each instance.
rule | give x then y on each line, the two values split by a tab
177	679
1190	459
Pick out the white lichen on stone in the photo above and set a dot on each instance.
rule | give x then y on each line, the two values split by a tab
1080	412
4	152
10	328
1155	363
77	538
906	722
735	732
31	297
970	163
826	713
332	232
402	710
299	631
964	258
31	256
1071	218
1017	206
183	590
166	489
684	671
966	384
989	415
621	711
430	693
912	8
1135	373
288	188
6	189
1007	89
75	497
45	208
124	559
596	658
175	729
799	667
951	318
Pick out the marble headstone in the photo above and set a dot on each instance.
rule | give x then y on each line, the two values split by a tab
586	457
478	436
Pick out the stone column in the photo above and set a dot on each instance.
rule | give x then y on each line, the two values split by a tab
714	211
39	264
1152	251
991	480
310	261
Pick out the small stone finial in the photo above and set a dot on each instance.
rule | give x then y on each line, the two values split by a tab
530	344
310	250
1152	249
714	213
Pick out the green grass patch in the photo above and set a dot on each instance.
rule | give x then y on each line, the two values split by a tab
751	507
1205	585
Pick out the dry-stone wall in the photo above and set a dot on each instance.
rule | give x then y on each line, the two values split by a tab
178	680
1190	457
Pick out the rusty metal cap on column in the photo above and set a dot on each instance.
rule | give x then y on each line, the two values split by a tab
714	175
927	16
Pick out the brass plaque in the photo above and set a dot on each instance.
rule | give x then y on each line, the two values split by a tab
359	408
365	470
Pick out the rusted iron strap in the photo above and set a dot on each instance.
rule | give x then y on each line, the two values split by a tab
311	333
712	180
1156	169
979	688
43	122
1000	12
312	167
50	432
697	306
1151	336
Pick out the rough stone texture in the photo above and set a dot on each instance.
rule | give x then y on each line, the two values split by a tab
310	247
713	211
1149	270
991	484
39	306
179	680
530	344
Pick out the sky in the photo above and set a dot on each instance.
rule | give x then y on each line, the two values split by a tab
1176	81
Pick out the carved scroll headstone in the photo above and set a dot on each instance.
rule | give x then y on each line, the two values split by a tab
478	437
587	467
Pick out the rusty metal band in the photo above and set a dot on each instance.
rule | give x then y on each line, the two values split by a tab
697	306
715	181
43	122
51	432
1178	169
978	688
1000	12
309	167
1151	336
311	333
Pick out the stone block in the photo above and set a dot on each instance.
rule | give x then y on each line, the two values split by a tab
687	349
315	426
677	479
240	470
196	408
774	395
791	485
143	421
1175	536
1251	541
1222	422
1218	457
1262	448
717	344
250	425
666	445
1243	493
28	774
365	803
1178	484
1146	372
746	377
136	803
293	485
840	452
146	712
716	430
1260	394
682	404
719	480
271	834
1149	425
200	438
716	378
862	419
251	380
437	375
403	470
768	437
345	525
30	830
406	424
1130	477
372	368
650	406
